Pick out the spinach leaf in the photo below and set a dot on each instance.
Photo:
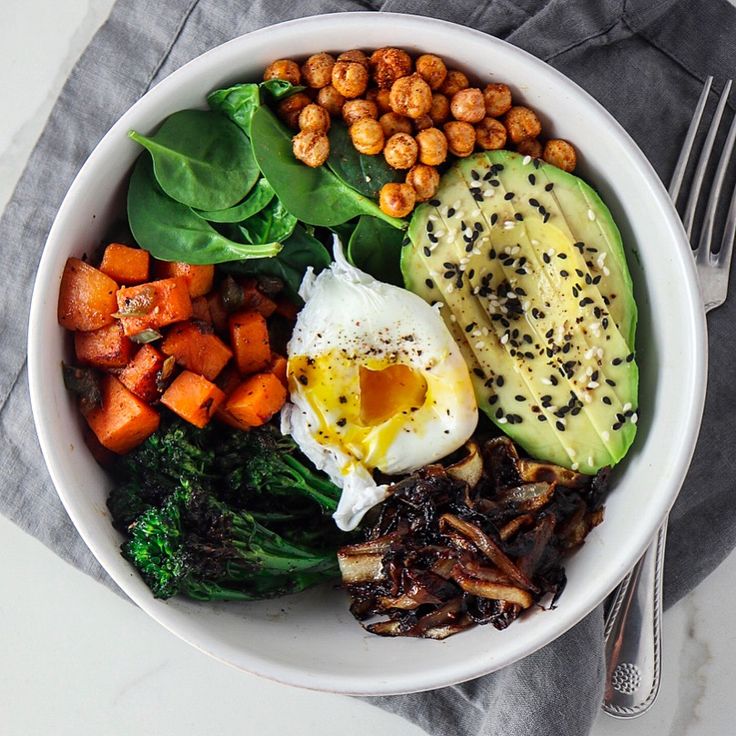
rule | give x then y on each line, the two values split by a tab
261	195
278	89
238	103
315	196
375	248
274	223
170	230
300	251
201	159
366	174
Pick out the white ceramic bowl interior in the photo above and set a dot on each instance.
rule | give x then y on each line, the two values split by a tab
310	639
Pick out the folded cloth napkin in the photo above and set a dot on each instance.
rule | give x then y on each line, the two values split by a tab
645	60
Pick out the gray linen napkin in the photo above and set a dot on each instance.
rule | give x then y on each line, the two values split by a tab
645	60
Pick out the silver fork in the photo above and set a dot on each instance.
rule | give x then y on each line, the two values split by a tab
633	626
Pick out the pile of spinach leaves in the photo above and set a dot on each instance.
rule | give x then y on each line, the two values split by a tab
222	186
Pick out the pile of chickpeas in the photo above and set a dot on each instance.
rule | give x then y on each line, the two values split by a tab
414	112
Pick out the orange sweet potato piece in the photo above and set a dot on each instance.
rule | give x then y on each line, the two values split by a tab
257	399
153	305
199	278
123	421
195	347
201	310
125	264
228	380
249	340
277	366
193	398
142	374
106	347
86	297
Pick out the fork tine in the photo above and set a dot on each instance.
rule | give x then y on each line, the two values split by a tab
687	146
692	201
729	233
706	233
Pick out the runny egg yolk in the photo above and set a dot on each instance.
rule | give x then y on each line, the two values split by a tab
361	405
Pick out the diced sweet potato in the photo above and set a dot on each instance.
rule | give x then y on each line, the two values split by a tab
286	308
125	264
123	421
153	305
195	347
228	380
218	313
193	398
86	297
257	399
201	310
142	374
106	347
277	366
250	342
199	278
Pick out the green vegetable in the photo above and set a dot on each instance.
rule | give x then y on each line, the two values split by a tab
274	223
85	382
201	159
256	200
300	251
366	174
279	89
171	231
238	103
313	195
375	247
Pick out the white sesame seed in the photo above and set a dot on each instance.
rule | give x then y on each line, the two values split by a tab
591	215
504	338
464	260
480	345
515	250
450	288
453	318
599	352
606	271
634	418
534	241
525	306
488	193
456	204
575	466
475	184
476	251
593	384
476	290
606	435
546	381
439	233
571	452
432	218
550	251
476	333
475	213
595	326
588	371
509	225
504	310
590	459
502	420
485	331
463	266
526	160
627	406
587	398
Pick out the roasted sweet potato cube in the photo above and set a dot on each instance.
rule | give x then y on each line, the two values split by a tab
196	348
199	278
257	399
106	347
250	342
277	366
228	380
125	264
86	297
123	421
193	398
142	375
154	305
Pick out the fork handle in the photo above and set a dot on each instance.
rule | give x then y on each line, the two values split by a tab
633	631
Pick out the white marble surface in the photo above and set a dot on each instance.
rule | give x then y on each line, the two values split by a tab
76	659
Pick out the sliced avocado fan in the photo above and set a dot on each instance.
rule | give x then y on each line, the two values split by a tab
530	271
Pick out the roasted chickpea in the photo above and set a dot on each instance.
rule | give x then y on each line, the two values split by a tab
432	146
311	147
354	55
392	122
400	151
490	134
424	180
317	70
423	122
331	100
460	137
290	108
283	69
381	97
314	117
530	147
468	105
397	200
560	153
388	65
440	109
454	82
367	136
498	99
349	78
411	96
432	69
522	123
354	110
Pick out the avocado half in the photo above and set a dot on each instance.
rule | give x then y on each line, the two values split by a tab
530	271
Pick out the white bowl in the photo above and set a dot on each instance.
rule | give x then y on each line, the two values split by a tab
311	640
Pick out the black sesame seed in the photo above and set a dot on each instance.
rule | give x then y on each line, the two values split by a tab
429	283
532	179
499	413
548	187
341	422
607	400
616	426
534	202
430	226
594	376
563	256
500	381
435	202
475	175
545	219
519	397
493	399
495	183
553	379
478	372
303	380
560	425
617	361
451	212
427	251
471	273
494	218
509	196
542	418
610	382
629	357
519	217
343	399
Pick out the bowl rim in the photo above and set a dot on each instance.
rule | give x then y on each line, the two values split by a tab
355	684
